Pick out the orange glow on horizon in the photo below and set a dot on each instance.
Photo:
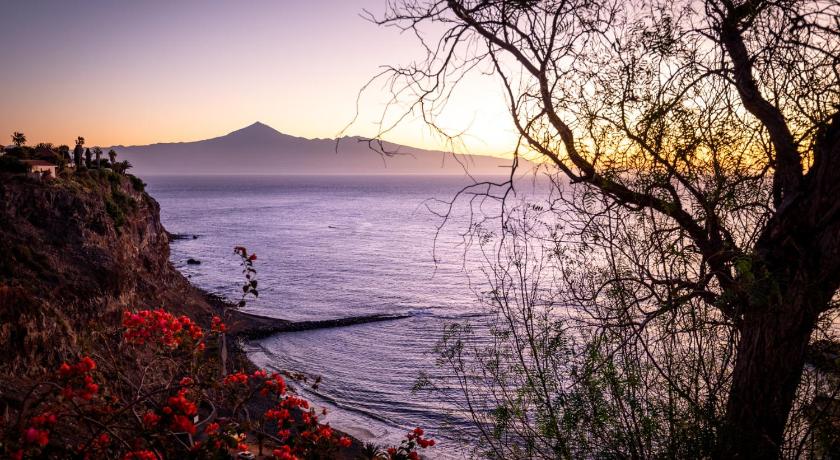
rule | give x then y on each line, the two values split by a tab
193	70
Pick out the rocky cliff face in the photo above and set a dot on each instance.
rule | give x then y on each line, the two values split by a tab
74	253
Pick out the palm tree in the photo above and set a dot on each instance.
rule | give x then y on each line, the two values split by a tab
78	151
18	139
97	152
80	141
112	156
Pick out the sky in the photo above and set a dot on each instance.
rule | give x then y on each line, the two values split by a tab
130	73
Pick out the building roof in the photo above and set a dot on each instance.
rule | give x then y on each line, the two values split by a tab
37	162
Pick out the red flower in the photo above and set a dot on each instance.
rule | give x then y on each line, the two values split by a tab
182	424
87	364
325	431
283	453
237	378
150	419
102	441
159	327
140	455
344	441
33	435
65	370
216	325
424	443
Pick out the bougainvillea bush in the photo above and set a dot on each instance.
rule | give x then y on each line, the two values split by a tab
155	396
154	391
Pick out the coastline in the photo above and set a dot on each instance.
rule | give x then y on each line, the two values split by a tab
249	326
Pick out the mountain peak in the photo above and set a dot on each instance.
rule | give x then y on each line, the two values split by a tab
257	127
256	132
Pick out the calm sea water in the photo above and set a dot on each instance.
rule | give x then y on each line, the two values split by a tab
331	247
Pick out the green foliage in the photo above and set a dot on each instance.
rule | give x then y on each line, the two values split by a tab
116	213
121	166
137	183
12	164
125	202
118	205
23	153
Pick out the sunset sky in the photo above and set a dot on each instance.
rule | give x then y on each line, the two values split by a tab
159	71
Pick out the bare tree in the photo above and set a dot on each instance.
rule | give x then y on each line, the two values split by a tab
701	141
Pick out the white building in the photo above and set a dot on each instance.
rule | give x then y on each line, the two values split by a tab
41	167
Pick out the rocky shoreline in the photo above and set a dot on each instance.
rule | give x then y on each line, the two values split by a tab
250	326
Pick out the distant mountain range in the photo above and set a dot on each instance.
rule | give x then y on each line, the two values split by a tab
260	149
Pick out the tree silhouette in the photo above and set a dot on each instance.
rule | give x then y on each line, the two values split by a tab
697	149
112	156
18	138
80	141
87	158
97	152
64	153
78	151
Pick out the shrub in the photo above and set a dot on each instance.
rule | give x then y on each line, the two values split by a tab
116	213
155	395
137	183
118	206
154	392
12	164
22	153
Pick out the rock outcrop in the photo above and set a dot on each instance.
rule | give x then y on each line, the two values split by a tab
74	253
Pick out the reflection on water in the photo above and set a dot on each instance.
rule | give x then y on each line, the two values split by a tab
331	247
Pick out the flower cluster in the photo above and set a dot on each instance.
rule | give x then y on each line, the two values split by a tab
168	396
140	455
216	325
77	381
264	383
176	414
296	423
38	432
160	326
407	450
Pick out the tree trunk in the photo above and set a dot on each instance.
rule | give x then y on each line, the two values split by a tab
770	359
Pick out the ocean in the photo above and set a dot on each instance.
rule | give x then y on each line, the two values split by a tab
338	246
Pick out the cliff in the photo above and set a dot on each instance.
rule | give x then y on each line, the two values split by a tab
74	253
77	251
